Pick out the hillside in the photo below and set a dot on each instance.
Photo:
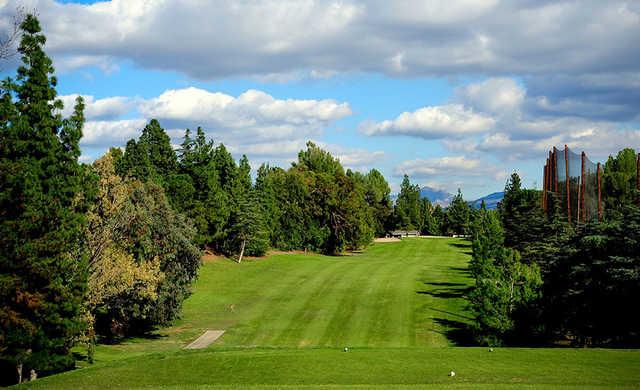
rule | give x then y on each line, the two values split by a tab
491	201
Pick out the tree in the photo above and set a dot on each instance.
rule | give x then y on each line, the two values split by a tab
504	285
619	181
458	214
143	259
521	215
157	144
44	193
117	280
9	39
438	222
407	210
248	231
378	196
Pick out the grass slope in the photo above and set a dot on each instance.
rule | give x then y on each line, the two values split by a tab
287	318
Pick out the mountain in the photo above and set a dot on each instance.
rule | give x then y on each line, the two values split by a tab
436	196
491	201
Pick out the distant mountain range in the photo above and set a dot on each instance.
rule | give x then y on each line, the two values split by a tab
443	198
436	196
491	201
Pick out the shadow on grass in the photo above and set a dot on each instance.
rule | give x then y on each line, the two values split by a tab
448	284
133	338
463	245
458	332
461	270
450	314
447	293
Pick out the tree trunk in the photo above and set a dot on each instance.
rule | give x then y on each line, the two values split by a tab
19	369
242	250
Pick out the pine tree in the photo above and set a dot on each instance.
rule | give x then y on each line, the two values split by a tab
407	212
249	234
459	214
44	194
157	144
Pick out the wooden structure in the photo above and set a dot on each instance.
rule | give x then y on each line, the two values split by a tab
576	183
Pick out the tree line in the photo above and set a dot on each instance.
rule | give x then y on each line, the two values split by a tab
540	280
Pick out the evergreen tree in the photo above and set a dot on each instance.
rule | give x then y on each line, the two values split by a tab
458	214
249	235
44	194
438	221
226	167
378	196
504	286
521	215
619	182
407	211
157	144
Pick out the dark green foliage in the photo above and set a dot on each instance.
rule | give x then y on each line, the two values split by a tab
407	211
504	285
157	145
378	196
135	162
595	280
619	182
437	221
44	194
316	206
458	214
248	232
521	215
200	195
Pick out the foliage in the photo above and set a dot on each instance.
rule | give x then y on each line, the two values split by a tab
408	211
459	215
44	194
595	280
619	182
248	229
141	252
504	285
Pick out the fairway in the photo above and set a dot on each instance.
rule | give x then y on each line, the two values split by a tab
399	307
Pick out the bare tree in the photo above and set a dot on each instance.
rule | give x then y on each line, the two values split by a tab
9	38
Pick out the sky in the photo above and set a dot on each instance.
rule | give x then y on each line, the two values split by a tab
456	94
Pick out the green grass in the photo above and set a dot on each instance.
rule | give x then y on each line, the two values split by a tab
399	307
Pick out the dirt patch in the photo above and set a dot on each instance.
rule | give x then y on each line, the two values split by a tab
387	239
210	257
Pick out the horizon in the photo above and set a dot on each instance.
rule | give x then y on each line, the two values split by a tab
456	96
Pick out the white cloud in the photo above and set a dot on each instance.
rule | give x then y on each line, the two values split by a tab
410	37
494	95
449	167
110	133
285	152
253	116
98	109
432	122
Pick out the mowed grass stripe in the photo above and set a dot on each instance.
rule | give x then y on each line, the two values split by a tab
310	317
272	307
220	295
350	318
511	368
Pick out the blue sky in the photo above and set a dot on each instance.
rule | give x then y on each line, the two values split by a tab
453	93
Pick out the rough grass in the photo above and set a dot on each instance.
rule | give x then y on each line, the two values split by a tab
399	307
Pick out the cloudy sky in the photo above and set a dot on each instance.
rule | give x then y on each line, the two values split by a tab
453	93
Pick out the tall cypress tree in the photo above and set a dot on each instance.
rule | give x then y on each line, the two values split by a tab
42	205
